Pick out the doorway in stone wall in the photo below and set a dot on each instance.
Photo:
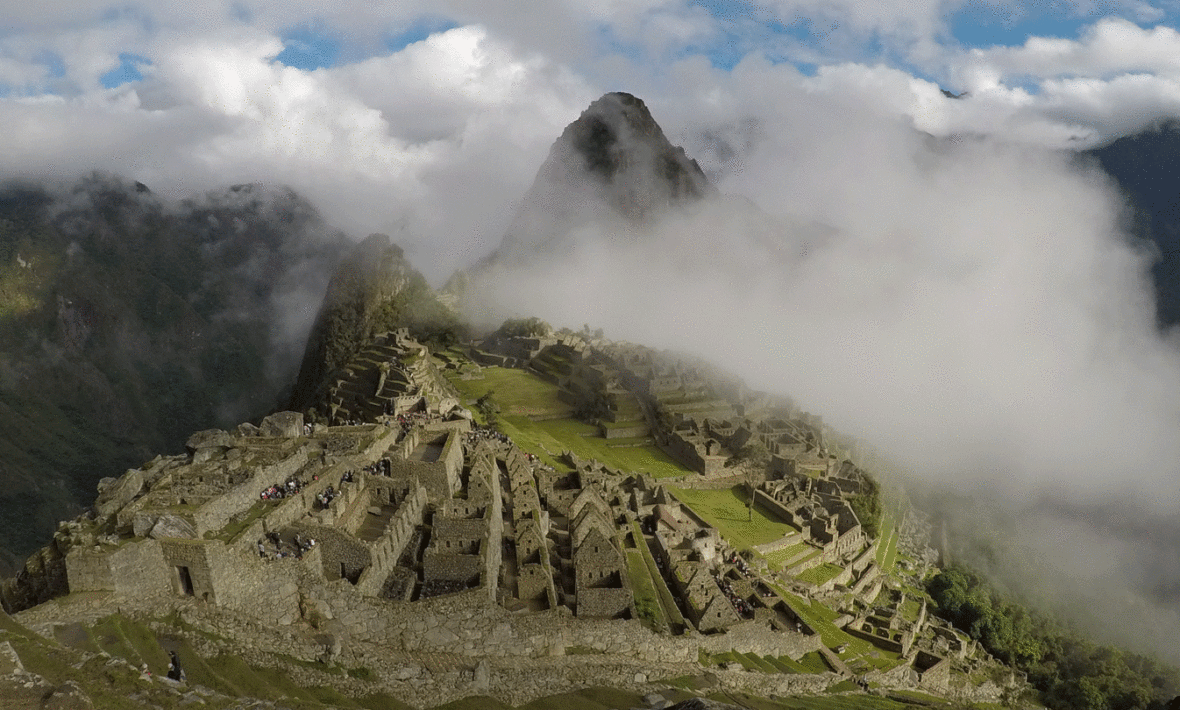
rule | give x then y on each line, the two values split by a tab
184	581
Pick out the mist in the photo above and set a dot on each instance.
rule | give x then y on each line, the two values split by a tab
974	308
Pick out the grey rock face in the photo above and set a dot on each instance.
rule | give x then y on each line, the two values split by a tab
119	493
209	438
173	526
142	524
282	424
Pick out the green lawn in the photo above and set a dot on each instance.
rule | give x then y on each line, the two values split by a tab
727	511
520	393
516	391
820	618
647	600
666	599
778	558
819	574
887	547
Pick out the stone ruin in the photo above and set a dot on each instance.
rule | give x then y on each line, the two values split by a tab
362	528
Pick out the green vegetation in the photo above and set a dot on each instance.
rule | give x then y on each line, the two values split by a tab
647	601
521	395
728	511
867	507
524	328
887	543
819	574
836	702
1070	672
518	392
820	618
754	453
778	558
667	601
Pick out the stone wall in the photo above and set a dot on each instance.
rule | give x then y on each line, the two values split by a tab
343	556
779	510
139	570
604	602
215	514
388	548
440	477
266	593
465	624
189	569
624	432
88	571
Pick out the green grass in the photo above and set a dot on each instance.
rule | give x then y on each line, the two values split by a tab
814	662
647	600
760	663
231	531
778	558
726	510
516	391
911	608
819	574
643	459
587	699
887	547
666	599
820	618
838	702
520	393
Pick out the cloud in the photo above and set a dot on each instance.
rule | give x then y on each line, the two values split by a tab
976	310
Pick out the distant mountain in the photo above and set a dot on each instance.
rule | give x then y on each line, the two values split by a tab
1146	167
127	322
613	163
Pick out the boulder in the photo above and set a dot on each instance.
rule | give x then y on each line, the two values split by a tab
247	429
119	493
142	524
173	526
209	438
282	424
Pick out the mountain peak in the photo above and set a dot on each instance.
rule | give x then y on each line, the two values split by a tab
613	165
617	142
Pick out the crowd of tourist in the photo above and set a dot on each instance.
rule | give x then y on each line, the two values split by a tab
273	546
409	420
739	563
381	467
742	607
279	491
481	433
325	497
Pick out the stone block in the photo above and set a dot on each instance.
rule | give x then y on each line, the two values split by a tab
142	523
247	429
173	526
119	493
288	424
209	438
